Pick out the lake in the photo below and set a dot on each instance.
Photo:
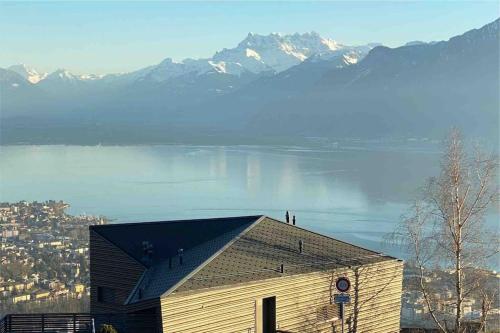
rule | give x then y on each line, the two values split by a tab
356	194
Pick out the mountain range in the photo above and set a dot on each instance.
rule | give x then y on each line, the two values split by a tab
267	86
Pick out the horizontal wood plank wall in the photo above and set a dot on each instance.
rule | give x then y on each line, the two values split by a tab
111	268
299	299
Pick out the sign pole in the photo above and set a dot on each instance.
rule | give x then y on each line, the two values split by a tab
343	285
342	315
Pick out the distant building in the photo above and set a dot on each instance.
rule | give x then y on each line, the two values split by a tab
41	295
20	298
241	274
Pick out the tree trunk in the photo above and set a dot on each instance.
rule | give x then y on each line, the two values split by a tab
458	278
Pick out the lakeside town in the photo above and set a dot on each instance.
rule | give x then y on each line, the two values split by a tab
415	312
44	257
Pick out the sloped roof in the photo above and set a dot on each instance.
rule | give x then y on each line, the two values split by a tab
167	237
226	251
167	274
259	253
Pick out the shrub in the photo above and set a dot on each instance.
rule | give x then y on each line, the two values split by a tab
105	328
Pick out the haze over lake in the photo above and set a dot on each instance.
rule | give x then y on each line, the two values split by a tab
355	194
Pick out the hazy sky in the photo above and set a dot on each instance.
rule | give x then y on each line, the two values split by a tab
103	37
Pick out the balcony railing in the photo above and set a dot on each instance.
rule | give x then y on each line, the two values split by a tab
77	323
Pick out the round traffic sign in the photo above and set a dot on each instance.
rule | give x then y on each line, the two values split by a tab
343	284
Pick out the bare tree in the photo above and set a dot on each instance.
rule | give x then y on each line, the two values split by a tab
445	229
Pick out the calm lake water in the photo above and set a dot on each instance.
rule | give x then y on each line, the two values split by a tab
354	194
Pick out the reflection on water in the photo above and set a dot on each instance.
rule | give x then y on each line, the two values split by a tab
355	195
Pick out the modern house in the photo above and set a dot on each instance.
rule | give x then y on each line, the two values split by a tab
240	274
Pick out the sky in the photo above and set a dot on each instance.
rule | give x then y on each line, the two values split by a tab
109	37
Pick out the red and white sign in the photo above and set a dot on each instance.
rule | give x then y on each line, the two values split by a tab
343	284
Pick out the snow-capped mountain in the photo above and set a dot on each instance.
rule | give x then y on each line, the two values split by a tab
415	89
28	73
63	75
60	83
276	52
298	84
256	54
12	79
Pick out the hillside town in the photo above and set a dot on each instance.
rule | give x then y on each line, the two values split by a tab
44	256
414	309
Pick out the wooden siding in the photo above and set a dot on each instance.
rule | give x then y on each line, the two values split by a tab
111	268
301	301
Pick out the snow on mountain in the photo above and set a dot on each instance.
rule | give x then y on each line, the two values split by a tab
169	69
10	78
61	76
276	52
65	76
255	54
165	70
90	77
334	90
28	73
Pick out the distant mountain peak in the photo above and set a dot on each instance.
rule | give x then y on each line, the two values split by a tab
255	54
62	73
277	52
167	61
28	73
415	42
308	42
300	85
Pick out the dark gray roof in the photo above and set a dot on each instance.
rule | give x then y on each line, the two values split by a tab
259	253
167	237
165	275
227	251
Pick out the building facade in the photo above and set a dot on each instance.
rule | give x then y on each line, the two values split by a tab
243	274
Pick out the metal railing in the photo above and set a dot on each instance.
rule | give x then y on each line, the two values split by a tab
77	323
3	324
47	323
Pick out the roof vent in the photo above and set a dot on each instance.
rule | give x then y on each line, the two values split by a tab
301	246
147	251
180	252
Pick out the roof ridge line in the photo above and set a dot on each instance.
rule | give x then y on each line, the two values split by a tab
212	257
132	293
139	223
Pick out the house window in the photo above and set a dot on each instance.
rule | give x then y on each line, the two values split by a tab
106	295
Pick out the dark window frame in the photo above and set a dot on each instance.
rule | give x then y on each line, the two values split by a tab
106	295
